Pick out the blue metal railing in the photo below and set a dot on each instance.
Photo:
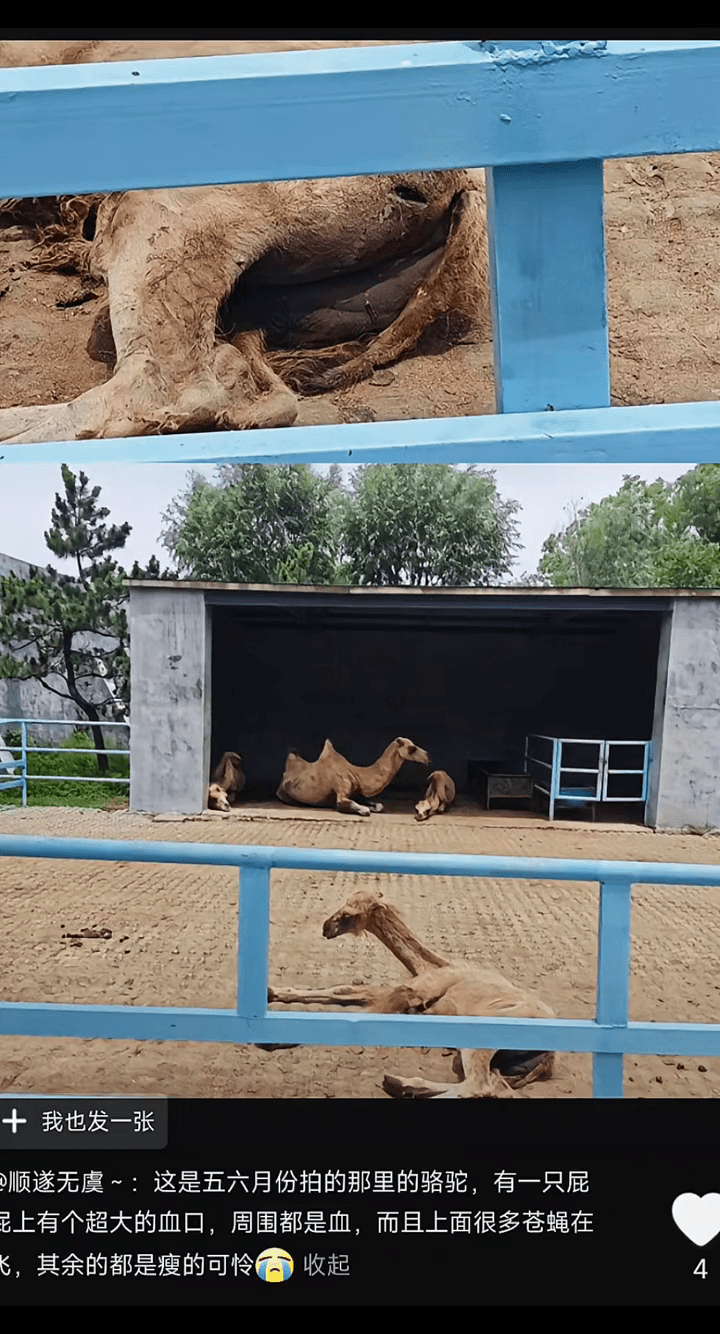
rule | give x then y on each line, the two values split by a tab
552	783
610	1036
23	750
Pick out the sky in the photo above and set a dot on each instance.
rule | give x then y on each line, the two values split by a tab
139	494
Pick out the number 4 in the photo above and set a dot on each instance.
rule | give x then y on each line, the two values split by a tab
701	1269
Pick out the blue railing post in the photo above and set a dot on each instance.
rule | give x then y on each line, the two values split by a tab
24	758
548	287
613	980
555	775
253	941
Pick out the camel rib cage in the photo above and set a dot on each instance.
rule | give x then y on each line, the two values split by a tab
540	117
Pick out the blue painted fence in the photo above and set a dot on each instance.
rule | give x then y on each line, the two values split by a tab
551	775
610	1036
540	117
16	770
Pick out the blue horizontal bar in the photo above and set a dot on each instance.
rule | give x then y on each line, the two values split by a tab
685	433
80	724
74	750
134	126
155	1024
345	859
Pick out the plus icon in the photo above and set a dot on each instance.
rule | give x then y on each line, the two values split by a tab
14	1121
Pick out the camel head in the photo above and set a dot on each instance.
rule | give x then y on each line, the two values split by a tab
217	798
407	750
354	916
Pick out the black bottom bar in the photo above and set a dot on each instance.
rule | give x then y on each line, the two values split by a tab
426	1203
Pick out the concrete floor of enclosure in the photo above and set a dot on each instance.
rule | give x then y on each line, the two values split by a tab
174	941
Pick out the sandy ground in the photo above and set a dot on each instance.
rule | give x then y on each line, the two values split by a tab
174	942
662	219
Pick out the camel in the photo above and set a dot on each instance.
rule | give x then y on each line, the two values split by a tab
227	782
333	780
439	986
177	265
439	794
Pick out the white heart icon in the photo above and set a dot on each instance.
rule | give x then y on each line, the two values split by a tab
698	1217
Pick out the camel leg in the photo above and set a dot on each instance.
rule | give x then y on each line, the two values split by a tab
167	272
456	286
519	1069
350	807
480	1082
350	995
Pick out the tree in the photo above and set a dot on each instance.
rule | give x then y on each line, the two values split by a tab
72	629
258	523
428	524
648	535
697	501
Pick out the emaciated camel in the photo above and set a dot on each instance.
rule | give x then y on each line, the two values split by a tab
333	780
439	794
439	986
226	782
178	263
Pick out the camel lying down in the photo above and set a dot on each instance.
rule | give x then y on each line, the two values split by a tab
331	780
227	782
439	794
176	264
439	986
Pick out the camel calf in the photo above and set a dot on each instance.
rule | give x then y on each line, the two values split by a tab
439	794
227	782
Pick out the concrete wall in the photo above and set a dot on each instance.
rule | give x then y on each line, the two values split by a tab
169	701
685	782
455	692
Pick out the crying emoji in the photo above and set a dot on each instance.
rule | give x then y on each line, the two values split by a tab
274	1266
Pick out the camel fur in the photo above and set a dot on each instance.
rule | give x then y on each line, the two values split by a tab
439	986
176	265
226	782
333	780
439	794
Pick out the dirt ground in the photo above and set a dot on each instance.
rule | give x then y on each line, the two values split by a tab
662	218
174	942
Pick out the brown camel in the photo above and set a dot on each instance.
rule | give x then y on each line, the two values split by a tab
172	261
439	986
333	780
226	782
439	794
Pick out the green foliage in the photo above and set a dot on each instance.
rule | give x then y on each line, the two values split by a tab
258	524
648	535
397	524
428	524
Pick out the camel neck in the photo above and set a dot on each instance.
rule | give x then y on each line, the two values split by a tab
388	926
